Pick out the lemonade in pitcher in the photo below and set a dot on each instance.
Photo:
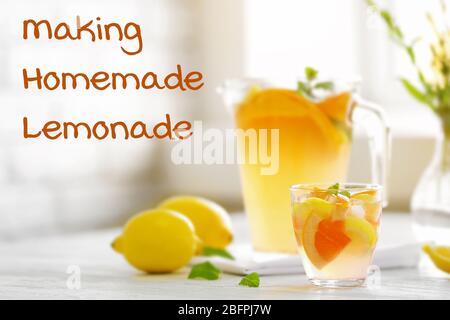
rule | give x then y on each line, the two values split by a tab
314	145
314	125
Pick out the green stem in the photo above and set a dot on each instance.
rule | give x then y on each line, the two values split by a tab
445	156
445	164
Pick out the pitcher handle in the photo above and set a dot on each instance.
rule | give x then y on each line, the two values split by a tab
373	117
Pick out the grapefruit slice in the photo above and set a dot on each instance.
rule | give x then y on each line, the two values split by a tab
323	239
302	210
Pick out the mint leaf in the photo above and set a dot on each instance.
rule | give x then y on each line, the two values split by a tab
310	73
250	280
205	270
210	251
304	88
327	85
345	193
334	190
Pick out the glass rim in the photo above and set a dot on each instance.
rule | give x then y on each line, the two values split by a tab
350	186
352	80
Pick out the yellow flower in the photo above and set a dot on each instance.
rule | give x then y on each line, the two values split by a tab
441	59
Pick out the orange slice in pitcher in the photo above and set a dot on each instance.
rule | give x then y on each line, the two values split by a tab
272	102
323	239
336	107
276	104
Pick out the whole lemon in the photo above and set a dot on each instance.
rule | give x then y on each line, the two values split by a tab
212	222
157	241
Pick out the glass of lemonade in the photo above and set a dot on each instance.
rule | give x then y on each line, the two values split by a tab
314	145
336	230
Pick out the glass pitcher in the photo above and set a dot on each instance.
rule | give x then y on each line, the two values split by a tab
313	146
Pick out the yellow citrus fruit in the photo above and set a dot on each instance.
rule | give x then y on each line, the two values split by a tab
337	106
303	209
440	255
372	206
252	92
323	238
287	104
157	241
361	232
212	222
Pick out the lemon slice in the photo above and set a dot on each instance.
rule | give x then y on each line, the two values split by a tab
304	209
360	231
440	255
320	206
366	195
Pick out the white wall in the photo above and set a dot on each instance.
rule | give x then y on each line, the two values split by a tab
276	39
47	186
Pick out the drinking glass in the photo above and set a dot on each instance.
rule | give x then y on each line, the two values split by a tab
336	229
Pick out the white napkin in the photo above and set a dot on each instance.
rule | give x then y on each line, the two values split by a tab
248	261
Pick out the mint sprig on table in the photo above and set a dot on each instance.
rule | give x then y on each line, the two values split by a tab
334	190
208	271
250	280
306	88
211	252
205	270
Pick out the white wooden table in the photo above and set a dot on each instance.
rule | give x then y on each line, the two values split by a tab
36	269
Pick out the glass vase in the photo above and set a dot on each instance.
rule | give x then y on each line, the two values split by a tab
430	203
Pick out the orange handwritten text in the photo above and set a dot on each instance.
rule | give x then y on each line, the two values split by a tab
96	32
101	130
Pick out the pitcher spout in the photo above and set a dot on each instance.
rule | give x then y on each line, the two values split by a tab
234	90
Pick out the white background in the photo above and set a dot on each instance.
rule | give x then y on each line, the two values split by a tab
47	186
